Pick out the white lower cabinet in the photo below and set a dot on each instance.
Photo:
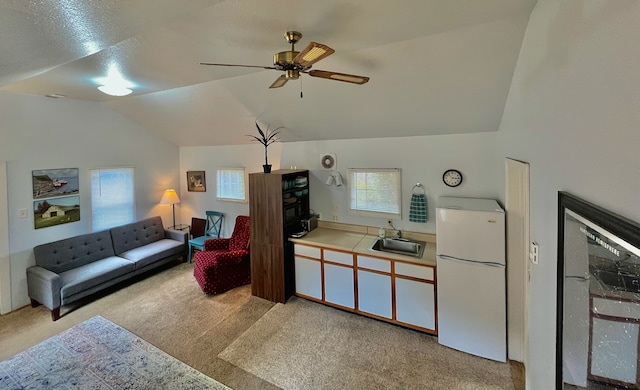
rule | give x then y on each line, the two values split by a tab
415	303
338	285
374	293
308	277
398	291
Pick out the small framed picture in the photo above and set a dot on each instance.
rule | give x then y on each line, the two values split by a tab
196	181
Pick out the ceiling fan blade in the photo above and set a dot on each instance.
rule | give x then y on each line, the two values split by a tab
349	78
244	66
280	81
313	53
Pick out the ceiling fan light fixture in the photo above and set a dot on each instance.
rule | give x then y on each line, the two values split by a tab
114	84
115	90
292	74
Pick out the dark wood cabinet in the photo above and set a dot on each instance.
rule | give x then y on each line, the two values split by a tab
277	202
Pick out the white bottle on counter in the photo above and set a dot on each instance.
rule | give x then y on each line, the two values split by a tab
381	232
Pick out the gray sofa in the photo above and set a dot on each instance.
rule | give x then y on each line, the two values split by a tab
72	268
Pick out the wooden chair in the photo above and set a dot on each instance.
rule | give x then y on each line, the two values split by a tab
198	227
212	230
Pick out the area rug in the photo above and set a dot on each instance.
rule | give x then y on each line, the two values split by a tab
306	345
98	354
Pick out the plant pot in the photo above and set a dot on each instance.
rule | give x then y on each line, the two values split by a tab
267	168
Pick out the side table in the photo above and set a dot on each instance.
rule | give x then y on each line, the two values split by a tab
182	227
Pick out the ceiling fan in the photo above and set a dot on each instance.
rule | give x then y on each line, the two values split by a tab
293	63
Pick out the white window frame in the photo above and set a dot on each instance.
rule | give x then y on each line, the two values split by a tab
114	199
367	206
226	194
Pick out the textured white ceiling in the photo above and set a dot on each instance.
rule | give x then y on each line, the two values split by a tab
436	66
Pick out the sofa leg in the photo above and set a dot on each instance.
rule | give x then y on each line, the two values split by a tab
34	303
55	314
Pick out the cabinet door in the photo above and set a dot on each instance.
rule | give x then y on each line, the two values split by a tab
415	303
374	293
308	278
338	285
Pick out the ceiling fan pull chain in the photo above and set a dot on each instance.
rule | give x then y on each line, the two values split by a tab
300	87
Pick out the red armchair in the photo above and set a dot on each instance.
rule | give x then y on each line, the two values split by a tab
224	262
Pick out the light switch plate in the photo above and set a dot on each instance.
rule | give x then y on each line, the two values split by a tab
22	213
534	251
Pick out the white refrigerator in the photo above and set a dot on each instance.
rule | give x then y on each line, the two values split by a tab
471	278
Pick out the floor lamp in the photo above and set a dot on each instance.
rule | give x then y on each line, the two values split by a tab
171	197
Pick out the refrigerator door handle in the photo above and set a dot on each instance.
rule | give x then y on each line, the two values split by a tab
487	263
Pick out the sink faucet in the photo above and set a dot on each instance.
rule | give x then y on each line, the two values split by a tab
397	231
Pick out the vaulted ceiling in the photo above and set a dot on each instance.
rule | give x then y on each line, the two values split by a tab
435	66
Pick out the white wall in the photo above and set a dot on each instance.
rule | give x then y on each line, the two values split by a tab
40	133
210	159
573	114
421	159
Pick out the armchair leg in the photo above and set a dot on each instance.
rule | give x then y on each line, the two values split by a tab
55	314
35	303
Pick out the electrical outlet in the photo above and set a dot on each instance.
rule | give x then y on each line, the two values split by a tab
336	208
22	213
335	218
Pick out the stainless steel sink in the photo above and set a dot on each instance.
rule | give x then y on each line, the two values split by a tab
399	246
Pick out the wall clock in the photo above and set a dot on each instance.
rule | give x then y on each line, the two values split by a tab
452	177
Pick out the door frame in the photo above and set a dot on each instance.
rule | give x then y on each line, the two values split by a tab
5	260
517	206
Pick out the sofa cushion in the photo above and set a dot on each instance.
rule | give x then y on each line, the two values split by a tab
89	275
153	252
60	256
136	234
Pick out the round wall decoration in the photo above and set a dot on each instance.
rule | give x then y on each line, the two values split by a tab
452	177
328	161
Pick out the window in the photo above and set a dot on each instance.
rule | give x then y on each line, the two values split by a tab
374	192
112	197
231	184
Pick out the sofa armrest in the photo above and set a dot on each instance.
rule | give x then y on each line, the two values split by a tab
44	286
177	235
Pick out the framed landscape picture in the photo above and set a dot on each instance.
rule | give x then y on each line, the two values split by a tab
196	181
51	212
48	183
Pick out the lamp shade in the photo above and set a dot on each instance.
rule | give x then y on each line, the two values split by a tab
170	197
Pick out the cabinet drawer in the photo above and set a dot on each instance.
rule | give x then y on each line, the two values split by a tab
338	257
309	251
413	270
615	308
374	264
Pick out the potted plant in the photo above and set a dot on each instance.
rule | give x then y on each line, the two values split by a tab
266	138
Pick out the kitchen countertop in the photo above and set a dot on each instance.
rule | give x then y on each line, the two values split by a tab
359	242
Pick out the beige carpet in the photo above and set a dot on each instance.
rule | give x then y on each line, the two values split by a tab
297	345
168	310
305	345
